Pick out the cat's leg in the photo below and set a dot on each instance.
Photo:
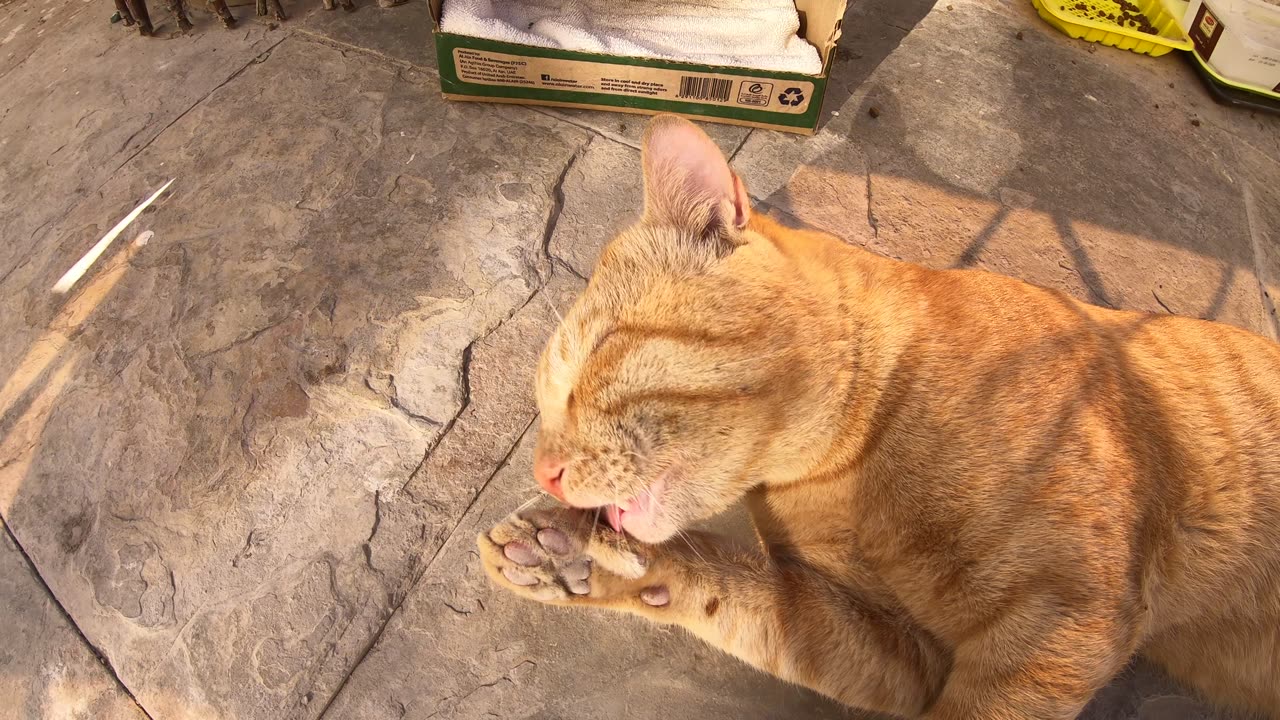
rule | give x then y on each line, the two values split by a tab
1041	659
785	620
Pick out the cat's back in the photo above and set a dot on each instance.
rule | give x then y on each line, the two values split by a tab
1173	422
1207	412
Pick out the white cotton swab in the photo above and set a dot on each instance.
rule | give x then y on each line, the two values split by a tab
78	270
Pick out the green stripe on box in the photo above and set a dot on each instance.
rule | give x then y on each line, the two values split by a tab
449	83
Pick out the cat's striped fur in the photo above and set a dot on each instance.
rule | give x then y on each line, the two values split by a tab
976	498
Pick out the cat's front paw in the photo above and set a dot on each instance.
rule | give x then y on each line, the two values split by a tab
561	556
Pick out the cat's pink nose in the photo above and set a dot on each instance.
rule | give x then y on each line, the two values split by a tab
549	472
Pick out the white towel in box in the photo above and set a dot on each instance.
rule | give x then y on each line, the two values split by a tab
758	34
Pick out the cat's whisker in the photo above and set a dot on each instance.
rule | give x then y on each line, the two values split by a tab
656	505
582	521
617	501
595	520
685	536
528	502
554	310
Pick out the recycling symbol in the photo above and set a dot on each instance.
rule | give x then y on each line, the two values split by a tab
791	96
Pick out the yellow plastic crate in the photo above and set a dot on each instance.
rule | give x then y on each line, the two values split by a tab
1143	26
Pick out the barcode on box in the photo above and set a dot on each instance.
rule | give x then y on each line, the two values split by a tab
705	88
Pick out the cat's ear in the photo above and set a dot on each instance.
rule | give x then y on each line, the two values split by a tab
688	183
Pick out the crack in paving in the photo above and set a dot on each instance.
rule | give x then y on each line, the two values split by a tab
871	215
464	371
741	143
451	702
244	338
321	39
19	265
550	112
392	395
565	266
377	522
406	589
458	611
97	652
557	207
145	124
256	60
426	568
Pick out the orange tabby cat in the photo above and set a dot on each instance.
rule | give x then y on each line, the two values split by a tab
976	498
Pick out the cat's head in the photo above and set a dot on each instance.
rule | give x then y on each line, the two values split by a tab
664	390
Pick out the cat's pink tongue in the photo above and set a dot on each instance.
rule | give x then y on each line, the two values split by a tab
613	514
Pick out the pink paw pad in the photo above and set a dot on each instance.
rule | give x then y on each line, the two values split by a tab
554	541
521	554
516	576
657	596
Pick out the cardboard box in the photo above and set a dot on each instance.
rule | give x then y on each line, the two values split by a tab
476	69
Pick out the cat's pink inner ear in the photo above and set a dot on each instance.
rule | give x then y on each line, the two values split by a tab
741	203
684	169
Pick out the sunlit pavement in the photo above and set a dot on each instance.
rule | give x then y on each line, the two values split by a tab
247	457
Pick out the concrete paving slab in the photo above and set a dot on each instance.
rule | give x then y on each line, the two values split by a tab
47	671
23	27
988	139
1262	209
629	129
257	386
1170	80
591	218
103	94
257	448
400	34
461	648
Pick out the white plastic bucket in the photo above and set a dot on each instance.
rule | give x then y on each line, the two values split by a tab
1240	39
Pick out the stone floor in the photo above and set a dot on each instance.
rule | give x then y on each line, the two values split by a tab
241	466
